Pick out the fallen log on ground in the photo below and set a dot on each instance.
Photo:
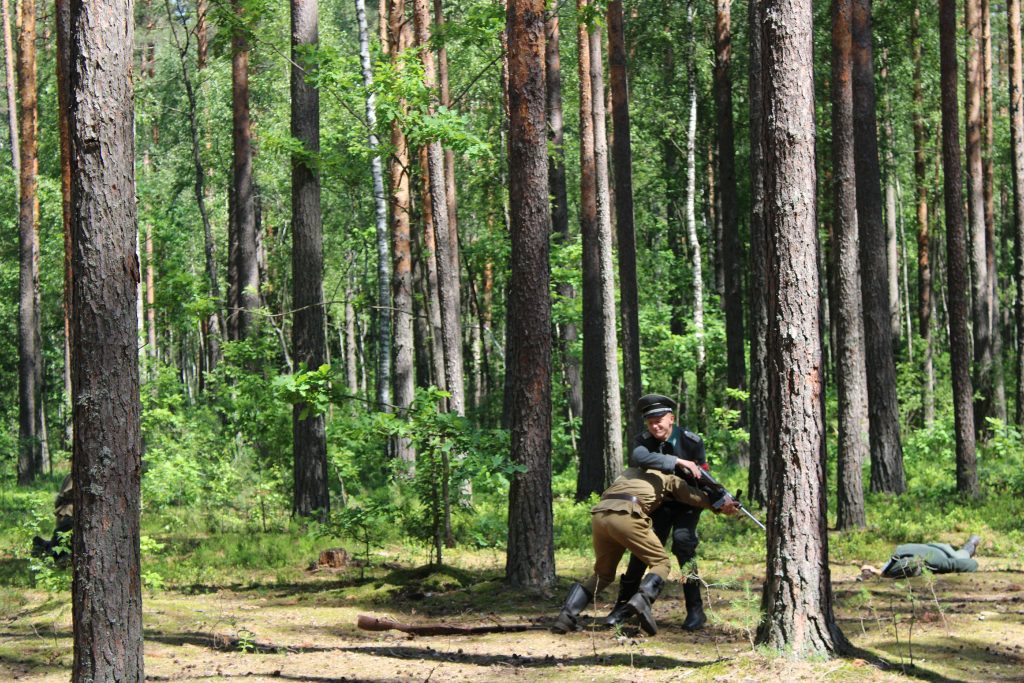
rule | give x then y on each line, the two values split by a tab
370	623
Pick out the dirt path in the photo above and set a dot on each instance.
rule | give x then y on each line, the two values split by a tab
965	627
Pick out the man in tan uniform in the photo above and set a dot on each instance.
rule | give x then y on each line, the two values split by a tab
622	521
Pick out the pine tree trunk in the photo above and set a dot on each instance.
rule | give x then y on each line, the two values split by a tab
732	247
451	199
600	431
448	283
797	598
886	450
696	262
981	311
202	38
757	479
1017	156
531	555
106	591
924	273
622	160
247	282
401	236
12	109
309	441
430	257
956	257
848	312
62	21
380	204
567	332
29	355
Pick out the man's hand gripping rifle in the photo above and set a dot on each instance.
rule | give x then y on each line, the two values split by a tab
718	493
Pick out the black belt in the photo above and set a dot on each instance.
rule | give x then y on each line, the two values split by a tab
621	496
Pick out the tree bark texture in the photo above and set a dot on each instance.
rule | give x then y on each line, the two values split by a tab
797	600
924	271
696	259
247	277
29	354
531	557
448	282
451	197
381	207
62	22
956	257
1016	75
12	109
309	441
732	247
431	281
106	590
757	475
981	289
600	450
622	161
886	450
401	237
848	312
567	331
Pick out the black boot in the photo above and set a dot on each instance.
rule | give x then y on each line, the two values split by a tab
971	545
621	612
575	603
695	617
640	603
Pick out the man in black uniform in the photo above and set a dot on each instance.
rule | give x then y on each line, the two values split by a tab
668	448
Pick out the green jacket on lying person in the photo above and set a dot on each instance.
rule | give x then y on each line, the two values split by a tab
910	558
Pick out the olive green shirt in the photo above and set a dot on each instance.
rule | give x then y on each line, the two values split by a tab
650	488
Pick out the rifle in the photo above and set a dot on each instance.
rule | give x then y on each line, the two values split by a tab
715	490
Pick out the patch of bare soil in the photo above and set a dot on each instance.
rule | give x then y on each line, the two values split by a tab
963	627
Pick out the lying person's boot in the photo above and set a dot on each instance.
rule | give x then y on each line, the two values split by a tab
640	603
575	602
621	612
971	546
695	617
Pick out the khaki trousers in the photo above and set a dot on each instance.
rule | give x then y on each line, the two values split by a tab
614	532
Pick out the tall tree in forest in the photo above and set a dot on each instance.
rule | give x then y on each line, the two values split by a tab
797	601
696	260
309	441
956	256
924	271
381	211
445	100
448	279
567	333
428	250
601	428
216	329
62	25
531	558
400	38
1016	76
981	289
29	354
886	450
106	464
732	247
757	479
243	271
622	161
851	370
12	109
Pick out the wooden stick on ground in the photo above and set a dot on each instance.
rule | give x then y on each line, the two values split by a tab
370	623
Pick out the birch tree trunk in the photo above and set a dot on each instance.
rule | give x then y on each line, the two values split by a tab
106	591
696	263
956	257
531	556
12	108
797	599
380	205
622	160
1016	73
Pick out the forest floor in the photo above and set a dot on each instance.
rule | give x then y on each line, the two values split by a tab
954	627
